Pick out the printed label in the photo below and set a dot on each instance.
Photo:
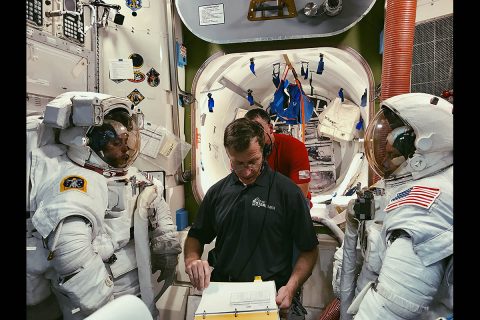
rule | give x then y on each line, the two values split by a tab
211	14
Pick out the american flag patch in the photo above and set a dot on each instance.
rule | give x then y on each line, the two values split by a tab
303	174
414	196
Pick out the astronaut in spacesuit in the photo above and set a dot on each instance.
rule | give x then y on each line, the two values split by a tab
407	270
100	226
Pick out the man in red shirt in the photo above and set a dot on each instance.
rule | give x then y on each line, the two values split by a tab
288	155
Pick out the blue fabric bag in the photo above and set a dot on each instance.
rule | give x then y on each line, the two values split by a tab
280	99
293	115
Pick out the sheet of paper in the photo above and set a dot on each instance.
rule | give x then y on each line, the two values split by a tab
249	297
121	69
168	147
151	140
221	297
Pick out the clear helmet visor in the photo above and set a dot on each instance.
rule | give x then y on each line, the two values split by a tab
381	138
117	140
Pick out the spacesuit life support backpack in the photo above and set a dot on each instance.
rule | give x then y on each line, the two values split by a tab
37	285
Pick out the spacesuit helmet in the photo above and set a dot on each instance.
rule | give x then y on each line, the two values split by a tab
117	140
411	134
101	131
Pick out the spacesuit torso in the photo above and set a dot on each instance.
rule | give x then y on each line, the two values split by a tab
430	228
116	264
423	210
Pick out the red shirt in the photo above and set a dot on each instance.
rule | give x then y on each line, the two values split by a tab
290	157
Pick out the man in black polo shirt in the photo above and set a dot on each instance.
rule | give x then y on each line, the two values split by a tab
257	215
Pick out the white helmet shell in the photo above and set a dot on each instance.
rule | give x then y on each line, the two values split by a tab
421	125
432	123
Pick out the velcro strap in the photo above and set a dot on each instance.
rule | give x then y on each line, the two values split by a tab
389	295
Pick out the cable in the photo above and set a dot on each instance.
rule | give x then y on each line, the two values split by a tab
263	220
99	3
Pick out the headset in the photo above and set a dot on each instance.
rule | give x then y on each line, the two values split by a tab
262	114
267	148
403	139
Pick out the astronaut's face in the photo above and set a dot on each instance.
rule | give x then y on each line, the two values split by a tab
382	156
116	151
117	140
392	160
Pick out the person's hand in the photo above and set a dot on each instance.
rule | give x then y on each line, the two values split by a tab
284	299
199	273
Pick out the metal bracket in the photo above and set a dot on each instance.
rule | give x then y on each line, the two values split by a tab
275	11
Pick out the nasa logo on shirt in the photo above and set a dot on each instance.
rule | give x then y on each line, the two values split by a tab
73	183
258	203
261	203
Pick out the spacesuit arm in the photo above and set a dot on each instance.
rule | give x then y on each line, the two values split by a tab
83	277
164	243
164	238
405	287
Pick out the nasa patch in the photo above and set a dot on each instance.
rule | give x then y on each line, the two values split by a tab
152	77
136	97
138	76
73	183
134	5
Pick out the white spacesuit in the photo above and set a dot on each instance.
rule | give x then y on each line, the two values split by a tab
100	228
407	270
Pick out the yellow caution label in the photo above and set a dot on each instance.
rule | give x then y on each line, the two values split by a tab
73	183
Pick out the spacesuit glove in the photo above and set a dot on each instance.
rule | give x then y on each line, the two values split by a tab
350	212
163	262
165	244
166	264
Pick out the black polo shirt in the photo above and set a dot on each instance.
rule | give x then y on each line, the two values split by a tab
255	226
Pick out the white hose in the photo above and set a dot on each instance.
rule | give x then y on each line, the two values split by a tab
347	277
142	247
337	232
